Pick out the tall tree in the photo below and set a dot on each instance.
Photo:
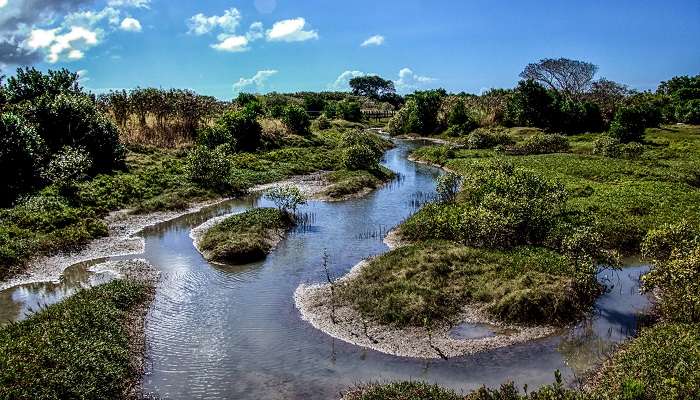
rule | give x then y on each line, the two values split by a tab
571	78
373	87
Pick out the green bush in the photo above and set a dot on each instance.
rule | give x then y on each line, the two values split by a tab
607	146
405	120
214	136
322	122
459	121
628	124
632	150
296	119
689	111
21	152
209	168
67	167
484	138
286	198
447	187
541	143
359	157
531	105
243	127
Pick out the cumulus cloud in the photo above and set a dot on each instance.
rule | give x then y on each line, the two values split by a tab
410	80
376	40
201	24
3	3
130	25
130	3
290	30
231	44
342	82
56	30
255	31
258	80
406	81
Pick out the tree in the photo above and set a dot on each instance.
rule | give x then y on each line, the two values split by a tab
572	78
608	96
21	148
286	198
296	119
373	87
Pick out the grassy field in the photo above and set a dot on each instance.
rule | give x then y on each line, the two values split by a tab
345	183
245	237
79	348
432	280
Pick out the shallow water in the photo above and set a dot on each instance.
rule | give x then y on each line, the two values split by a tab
234	332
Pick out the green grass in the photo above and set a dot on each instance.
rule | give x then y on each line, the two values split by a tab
78	348
246	237
662	363
431	281
345	183
625	197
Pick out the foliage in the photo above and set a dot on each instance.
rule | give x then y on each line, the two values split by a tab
322	122
345	109
246	237
608	96
296	119
346	183
286	198
67	167
484	138
571	78
628	124
21	152
541	143
447	187
501	206
78	348
405	120
531	105
313	102
607	146
428	105
361	151
431	281
243	127
459	121
374	87
209	168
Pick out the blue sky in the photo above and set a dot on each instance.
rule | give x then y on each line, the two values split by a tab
220	47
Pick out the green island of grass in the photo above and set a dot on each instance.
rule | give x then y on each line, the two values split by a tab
346	183
246	237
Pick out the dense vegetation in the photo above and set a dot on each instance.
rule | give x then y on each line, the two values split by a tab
247	237
79	348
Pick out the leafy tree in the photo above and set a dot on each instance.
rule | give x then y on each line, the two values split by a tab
628	124
608	96
459	121
67	167
243	127
427	108
209	168
286	198
21	150
373	87
448	186
296	119
348	110
531	105
571	78
29	84
314	102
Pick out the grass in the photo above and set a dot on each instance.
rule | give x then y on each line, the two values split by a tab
626	197
246	237
662	363
345	182
432	280
78	348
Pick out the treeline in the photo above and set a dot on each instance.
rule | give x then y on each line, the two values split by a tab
558	96
52	132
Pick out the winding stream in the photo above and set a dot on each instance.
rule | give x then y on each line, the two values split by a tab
234	332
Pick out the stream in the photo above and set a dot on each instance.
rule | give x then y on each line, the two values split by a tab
234	332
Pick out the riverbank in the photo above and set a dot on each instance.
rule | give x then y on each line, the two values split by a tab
89	345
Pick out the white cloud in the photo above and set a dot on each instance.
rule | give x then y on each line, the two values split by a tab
129	3
231	44
342	82
290	30
3	3
410	80
255	31
258	80
201	24
376	40
69	44
130	25
90	19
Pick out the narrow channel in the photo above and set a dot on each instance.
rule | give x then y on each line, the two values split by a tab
234	332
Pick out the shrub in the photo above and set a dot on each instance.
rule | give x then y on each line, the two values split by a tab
689	112
349	111
296	119
21	150
405	120
543	144
607	146
662	243
214	136
243	127
483	138
459	121
67	167
359	157
286	198
628	124
447	187
209	168
632	150
530	105
428	104
322	122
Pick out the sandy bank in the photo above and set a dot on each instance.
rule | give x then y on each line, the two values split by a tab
122	240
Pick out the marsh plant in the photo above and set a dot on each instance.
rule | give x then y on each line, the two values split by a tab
286	198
